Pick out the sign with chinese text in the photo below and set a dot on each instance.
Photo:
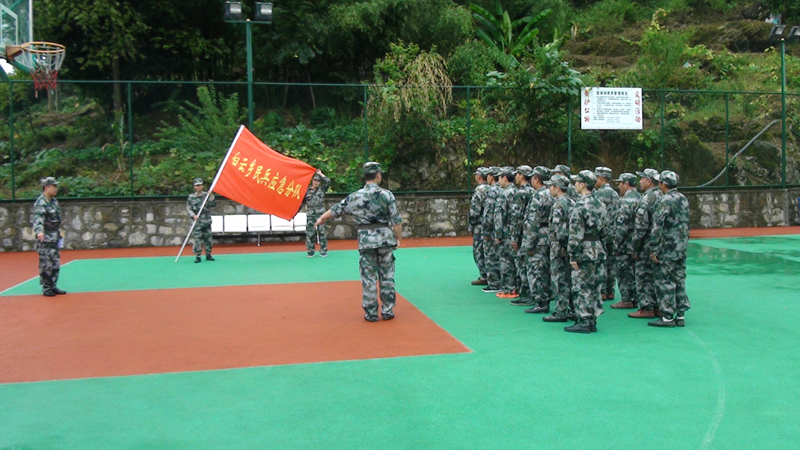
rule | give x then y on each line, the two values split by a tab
257	176
611	108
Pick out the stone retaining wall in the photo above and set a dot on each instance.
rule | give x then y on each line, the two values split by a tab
164	222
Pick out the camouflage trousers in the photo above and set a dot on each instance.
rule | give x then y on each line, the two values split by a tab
478	251
586	289
610	275
201	238
491	253
626	277
670	281
645	284
377	268
49	264
538	276
313	234
508	267
561	274
523	287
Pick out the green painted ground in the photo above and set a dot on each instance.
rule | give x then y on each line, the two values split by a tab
728	380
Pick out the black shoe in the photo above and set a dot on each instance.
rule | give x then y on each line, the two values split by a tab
58	291
538	310
389	316
554	318
197	260
522	302
324	255
369	318
48	293
662	322
210	258
310	255
490	289
679	321
578	328
593	326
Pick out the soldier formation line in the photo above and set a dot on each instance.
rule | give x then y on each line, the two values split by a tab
539	236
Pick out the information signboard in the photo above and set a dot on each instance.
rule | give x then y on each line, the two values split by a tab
609	108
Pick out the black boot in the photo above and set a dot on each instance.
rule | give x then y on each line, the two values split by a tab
197	259
579	327
58	291
554	318
48	293
209	257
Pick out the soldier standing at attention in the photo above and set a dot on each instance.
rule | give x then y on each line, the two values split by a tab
201	235
560	270
46	223
539	273
490	249
609	197
670	241
622	227
474	224
522	199
504	229
379	231
642	245
586	254
314	201
564	170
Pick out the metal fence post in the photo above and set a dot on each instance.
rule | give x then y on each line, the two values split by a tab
783	114
569	131
727	139
11	135
249	75
130	134
661	167
366	134
469	155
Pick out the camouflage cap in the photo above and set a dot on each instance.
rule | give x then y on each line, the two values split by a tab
670	178
482	171
560	181
316	176
542	171
48	181
372	167
585	176
627	178
524	170
604	172
561	168
507	170
649	173
493	171
197	181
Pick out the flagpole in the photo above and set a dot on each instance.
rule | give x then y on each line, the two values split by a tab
210	190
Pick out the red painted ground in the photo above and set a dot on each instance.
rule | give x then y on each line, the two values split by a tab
175	330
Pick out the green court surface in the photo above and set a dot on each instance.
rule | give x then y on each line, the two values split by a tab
728	380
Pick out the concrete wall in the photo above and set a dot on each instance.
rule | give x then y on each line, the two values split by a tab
164	222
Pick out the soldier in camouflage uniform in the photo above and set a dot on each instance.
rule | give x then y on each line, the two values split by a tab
201	235
379	231
564	170
504	234
642	244
539	262
670	241
490	249
46	223
622	227
315	207
609	197
587	254
522	199
560	270
474	224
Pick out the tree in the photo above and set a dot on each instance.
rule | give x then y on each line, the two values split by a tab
504	35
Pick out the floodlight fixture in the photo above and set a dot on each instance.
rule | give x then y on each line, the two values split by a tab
264	12
777	32
233	11
794	34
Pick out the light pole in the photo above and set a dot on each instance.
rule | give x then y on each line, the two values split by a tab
263	15
779	33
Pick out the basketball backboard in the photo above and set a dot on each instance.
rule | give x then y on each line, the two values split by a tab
16	26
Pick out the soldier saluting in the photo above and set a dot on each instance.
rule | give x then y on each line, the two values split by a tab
46	224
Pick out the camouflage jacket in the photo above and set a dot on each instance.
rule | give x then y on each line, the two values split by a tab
531	225
670	232
587	221
503	225
610	198
371	205
47	218
315	198
193	204
572	193
559	226
623	223
546	204
476	207
487	221
522	198
643	222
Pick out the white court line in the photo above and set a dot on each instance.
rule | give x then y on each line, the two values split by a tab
722	396
29	279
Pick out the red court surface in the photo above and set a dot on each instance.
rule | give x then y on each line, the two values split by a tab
107	334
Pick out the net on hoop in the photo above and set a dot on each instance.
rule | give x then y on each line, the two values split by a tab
44	60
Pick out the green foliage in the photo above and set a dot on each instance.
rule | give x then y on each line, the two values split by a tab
500	33
470	63
610	15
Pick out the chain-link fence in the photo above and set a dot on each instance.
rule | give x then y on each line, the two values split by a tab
149	139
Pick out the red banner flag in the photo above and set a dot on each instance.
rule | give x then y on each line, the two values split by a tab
259	177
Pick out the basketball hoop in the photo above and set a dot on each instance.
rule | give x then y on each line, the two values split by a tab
44	60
